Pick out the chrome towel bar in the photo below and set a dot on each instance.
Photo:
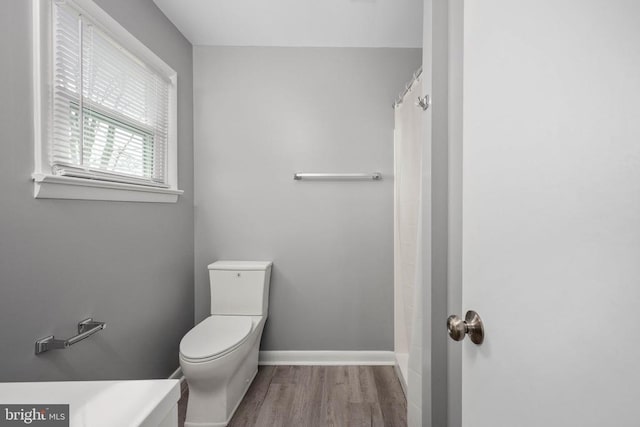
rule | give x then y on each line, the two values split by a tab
375	176
86	328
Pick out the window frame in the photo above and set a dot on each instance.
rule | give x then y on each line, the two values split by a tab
48	185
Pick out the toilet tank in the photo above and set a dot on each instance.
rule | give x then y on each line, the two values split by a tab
240	287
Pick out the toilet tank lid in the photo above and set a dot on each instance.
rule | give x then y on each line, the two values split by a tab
240	265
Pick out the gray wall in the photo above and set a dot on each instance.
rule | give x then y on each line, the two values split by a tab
263	114
128	264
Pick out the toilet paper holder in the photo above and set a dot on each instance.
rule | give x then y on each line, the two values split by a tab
86	328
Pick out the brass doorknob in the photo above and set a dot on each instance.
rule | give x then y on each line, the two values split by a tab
471	325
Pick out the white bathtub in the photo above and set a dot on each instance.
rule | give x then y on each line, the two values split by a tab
103	403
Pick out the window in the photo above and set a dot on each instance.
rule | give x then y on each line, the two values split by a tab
105	111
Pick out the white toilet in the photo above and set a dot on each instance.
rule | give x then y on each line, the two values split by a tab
219	356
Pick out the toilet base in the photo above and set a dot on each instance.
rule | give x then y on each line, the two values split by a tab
224	424
217	387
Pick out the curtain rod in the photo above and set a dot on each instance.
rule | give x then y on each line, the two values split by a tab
416	75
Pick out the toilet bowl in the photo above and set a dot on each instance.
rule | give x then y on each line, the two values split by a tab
219	356
219	359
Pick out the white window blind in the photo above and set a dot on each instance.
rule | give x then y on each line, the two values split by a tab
109	111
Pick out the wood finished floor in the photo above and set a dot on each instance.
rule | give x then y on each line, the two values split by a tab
320	396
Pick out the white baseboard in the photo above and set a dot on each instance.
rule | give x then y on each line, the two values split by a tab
316	358
403	383
326	358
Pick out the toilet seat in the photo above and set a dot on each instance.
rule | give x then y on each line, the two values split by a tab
214	337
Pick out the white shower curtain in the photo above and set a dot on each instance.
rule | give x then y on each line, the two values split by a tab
408	140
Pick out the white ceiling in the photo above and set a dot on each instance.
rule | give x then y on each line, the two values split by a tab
330	23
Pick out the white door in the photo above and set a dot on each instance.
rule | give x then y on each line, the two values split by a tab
551	212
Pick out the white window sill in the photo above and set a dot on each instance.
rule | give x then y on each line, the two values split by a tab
64	187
